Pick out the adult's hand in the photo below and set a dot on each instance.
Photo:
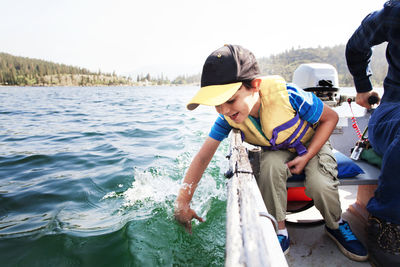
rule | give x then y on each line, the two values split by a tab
364	99
184	215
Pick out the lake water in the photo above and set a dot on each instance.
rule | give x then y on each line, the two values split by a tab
89	176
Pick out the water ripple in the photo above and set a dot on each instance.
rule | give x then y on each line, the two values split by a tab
83	170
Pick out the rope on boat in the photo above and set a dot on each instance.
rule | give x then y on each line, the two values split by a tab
354	121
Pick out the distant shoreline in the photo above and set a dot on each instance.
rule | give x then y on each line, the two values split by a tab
117	85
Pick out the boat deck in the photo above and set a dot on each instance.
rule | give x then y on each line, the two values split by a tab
311	246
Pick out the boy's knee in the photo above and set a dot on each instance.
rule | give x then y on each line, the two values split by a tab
321	186
274	163
322	165
272	170
321	174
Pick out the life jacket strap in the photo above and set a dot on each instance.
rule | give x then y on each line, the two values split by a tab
297	145
283	127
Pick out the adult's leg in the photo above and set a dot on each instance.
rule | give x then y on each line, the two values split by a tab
384	226
384	134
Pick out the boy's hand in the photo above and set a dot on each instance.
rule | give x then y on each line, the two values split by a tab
297	165
184	215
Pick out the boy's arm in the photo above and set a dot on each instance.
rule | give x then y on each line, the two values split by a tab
327	124
183	213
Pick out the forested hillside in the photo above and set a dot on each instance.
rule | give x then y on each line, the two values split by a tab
25	71
286	63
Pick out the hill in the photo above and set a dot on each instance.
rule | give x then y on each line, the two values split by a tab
286	63
23	71
26	71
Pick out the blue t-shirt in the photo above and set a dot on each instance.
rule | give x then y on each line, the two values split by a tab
308	105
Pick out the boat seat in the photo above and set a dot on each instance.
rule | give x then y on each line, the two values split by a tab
351	172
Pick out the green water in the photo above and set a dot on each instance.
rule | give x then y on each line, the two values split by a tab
88	177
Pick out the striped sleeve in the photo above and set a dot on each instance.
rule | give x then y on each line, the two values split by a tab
307	104
221	129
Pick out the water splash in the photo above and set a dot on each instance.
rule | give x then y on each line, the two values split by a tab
155	188
150	188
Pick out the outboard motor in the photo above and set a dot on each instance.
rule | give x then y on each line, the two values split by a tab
321	79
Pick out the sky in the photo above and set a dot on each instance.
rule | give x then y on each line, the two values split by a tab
170	37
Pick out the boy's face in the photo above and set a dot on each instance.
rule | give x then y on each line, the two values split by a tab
240	105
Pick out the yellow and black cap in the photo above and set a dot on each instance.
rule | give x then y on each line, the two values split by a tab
223	73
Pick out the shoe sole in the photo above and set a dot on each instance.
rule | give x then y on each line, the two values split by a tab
286	251
347	253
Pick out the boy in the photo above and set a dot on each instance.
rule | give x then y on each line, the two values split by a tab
291	125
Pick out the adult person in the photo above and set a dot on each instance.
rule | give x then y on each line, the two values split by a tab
383	129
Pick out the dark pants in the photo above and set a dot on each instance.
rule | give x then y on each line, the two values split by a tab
384	231
384	135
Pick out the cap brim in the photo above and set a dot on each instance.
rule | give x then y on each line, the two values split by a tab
213	95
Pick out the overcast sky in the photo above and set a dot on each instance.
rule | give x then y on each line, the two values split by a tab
170	36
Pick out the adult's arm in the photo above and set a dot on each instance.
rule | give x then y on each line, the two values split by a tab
371	32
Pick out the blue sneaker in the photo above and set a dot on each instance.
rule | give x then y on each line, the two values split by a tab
347	242
284	241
